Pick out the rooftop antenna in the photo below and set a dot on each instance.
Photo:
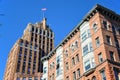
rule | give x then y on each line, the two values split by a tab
43	12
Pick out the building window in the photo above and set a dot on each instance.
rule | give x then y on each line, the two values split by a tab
111	55
52	35
35	47
32	34
44	70
116	73
36	78
31	45
31	38
93	78
85	49
30	78
100	57
88	32
26	44
90	46
32	29
21	43
25	51
34	62
76	44
118	30
36	30
58	59
20	49
20	55
105	25
73	61
74	75
67	78
84	36
18	67
67	66
28	69
52	77
102	72
93	62
108	39
77	58
44	32
113	29
18	79
87	65
117	43
50	66
78	73
72	47
58	71
97	42
66	53
44	79
95	27
48	33
58	66
23	68
40	31
24	79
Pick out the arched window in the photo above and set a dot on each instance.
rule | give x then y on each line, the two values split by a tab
76	44
93	78
21	42
95	27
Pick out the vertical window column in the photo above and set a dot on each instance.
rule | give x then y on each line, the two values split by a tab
100	58
97	40
74	75
102	72
67	66
87	65
78	73
73	61
108	39
77	58
112	55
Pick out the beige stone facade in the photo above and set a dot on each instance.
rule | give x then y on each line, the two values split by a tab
24	60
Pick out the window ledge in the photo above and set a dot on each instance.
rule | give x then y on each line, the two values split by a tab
89	71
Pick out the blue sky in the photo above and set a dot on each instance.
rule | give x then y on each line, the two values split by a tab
62	16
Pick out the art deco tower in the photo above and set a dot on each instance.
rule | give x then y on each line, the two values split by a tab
24	60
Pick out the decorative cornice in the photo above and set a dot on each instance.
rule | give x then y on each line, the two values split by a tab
96	9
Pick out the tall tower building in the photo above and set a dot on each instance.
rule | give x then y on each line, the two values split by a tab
24	60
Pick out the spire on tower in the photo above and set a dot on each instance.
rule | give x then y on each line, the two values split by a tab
44	23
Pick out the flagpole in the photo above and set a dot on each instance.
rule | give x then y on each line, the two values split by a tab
43	15
43	12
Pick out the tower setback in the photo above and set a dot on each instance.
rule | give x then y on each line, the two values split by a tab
24	60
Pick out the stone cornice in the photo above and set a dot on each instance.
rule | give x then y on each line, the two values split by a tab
96	9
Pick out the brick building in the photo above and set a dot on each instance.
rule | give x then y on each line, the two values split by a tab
24	60
91	51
